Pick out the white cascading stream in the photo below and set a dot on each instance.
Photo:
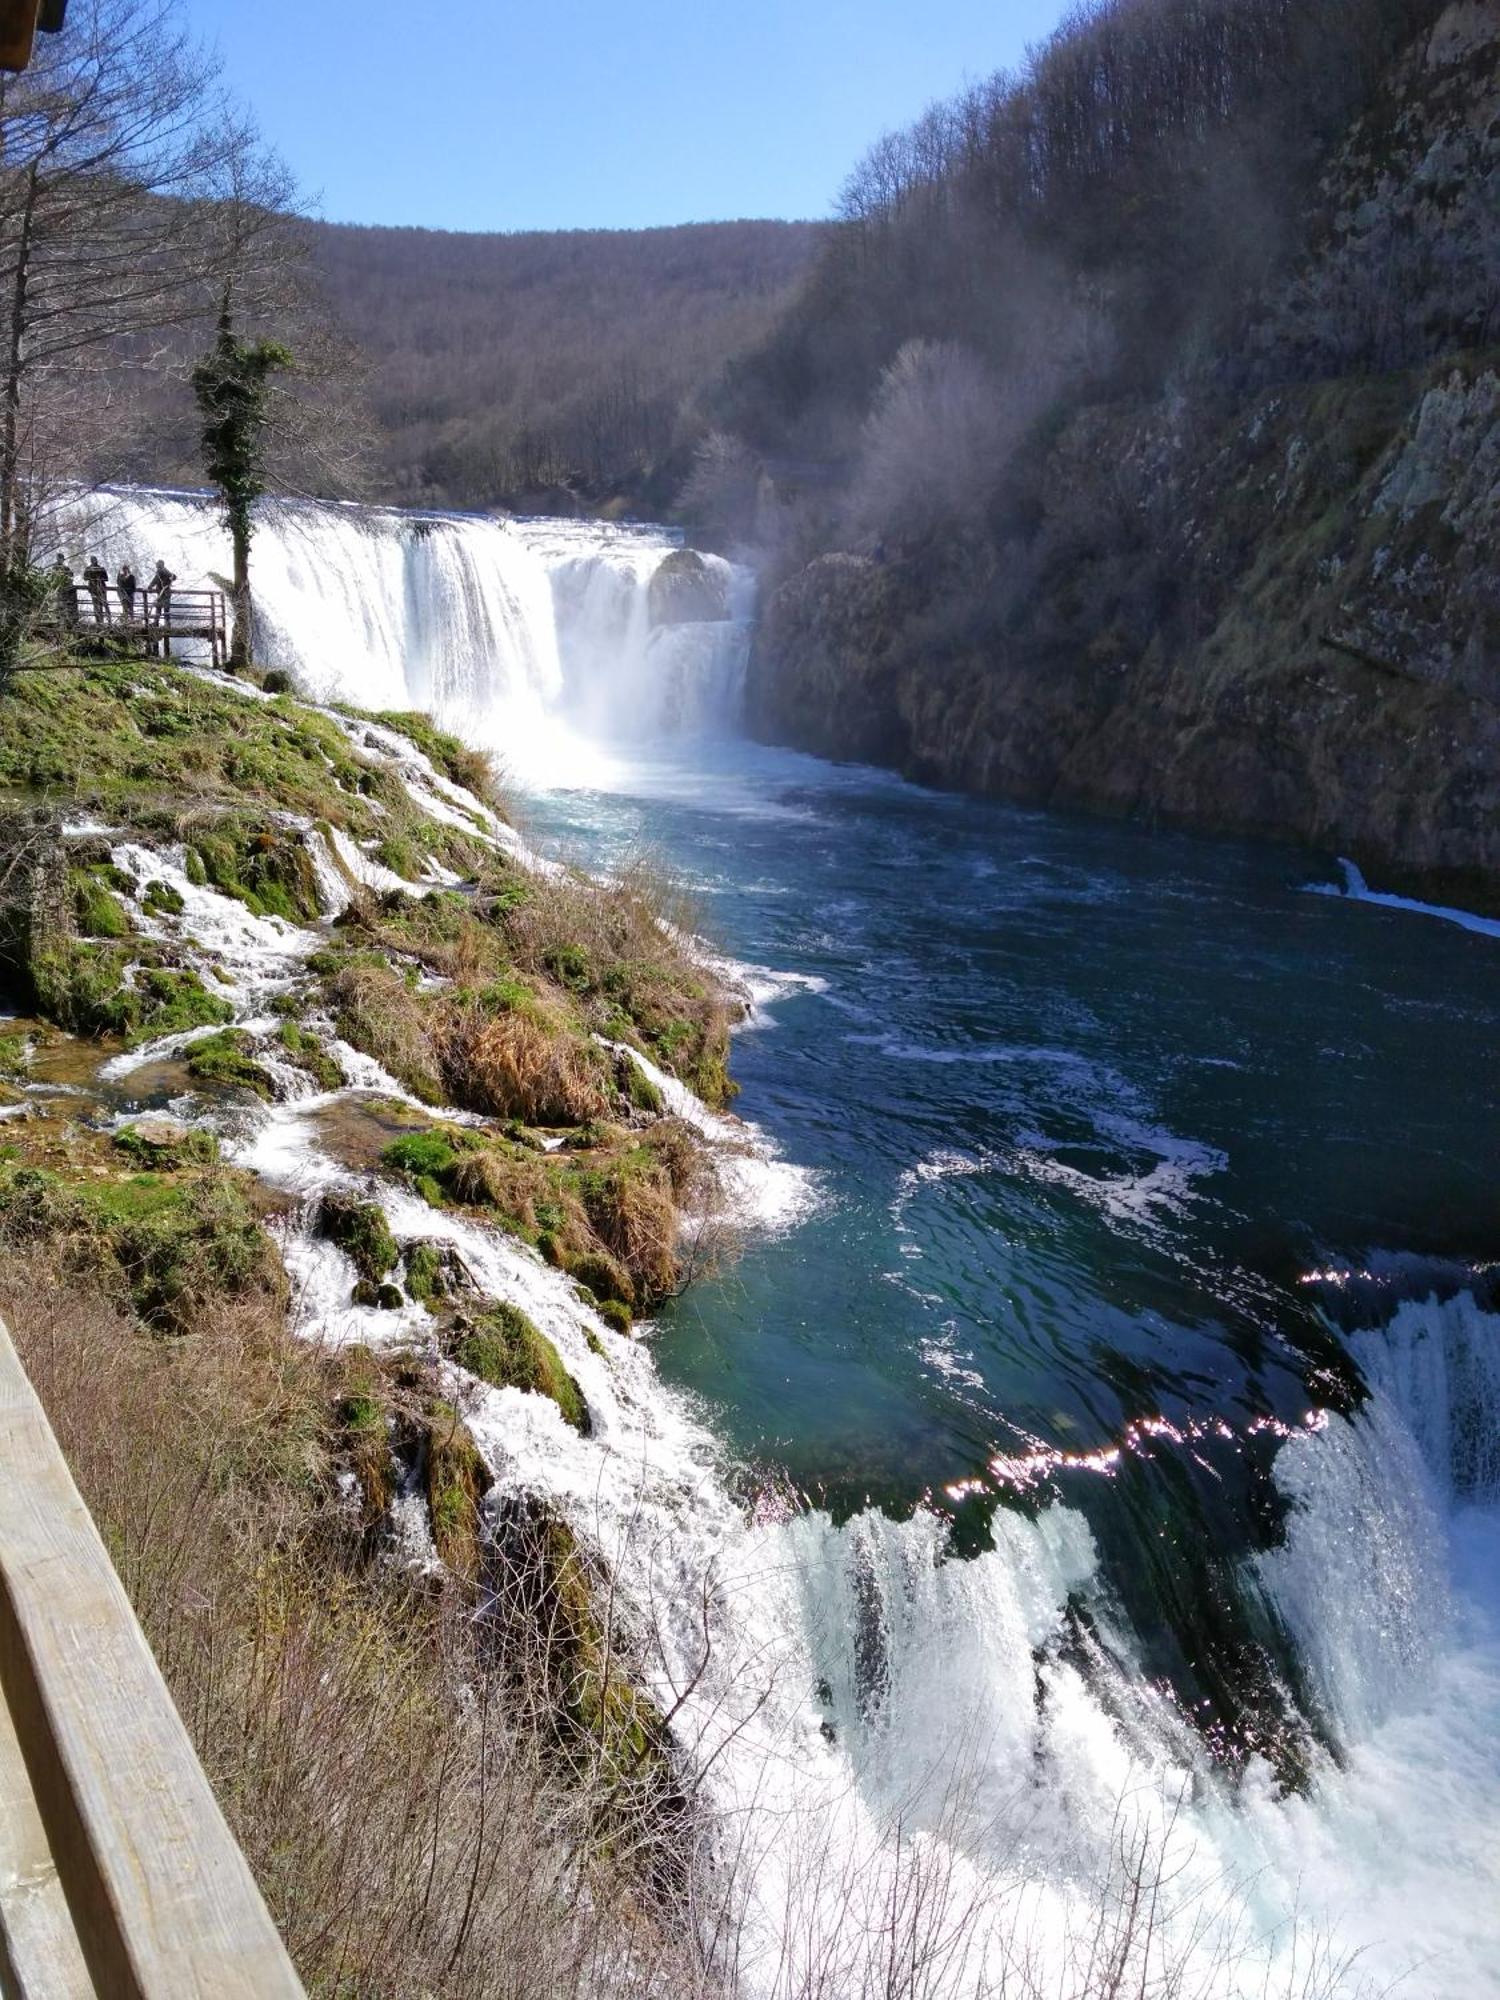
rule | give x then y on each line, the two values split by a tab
532	638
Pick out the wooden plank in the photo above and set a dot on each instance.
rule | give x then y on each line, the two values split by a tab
40	1957
162	1899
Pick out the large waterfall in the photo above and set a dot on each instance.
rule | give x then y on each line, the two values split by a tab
536	639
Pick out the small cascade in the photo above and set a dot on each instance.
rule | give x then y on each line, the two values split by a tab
521	636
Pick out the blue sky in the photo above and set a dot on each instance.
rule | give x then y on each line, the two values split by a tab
550	114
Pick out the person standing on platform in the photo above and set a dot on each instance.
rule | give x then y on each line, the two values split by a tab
160	587
96	581
125	591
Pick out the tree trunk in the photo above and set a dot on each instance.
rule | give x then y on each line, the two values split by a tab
13	541
239	643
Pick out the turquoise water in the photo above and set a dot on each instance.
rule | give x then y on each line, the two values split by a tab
1093	1111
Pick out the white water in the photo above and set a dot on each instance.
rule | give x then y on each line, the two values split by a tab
1357	890
957	1745
534	639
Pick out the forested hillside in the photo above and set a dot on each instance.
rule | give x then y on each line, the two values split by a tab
1134	440
508	366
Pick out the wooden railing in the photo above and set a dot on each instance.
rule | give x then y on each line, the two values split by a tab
151	626
119	1878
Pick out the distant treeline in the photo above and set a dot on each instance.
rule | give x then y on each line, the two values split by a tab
508	366
1093	226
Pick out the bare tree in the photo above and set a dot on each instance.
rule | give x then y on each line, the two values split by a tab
129	193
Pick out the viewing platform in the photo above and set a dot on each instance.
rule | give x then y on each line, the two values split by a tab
119	1877
149	633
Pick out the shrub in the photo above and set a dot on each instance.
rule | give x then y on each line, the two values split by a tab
512	1066
377	1012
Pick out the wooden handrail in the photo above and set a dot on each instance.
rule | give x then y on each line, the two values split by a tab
161	1901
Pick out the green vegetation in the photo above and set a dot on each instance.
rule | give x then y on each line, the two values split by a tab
160	899
99	913
502	1347
309	1054
457	1481
226	1060
361	1231
175	1238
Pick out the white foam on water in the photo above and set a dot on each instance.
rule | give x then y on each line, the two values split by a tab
1356	890
758	1189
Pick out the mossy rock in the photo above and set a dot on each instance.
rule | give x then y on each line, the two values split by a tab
615	1315
603	1277
502	1347
360	1230
308	1053
457	1480
435	1274
363	1424
160	899
166	1144
225	1060
97	910
603	1722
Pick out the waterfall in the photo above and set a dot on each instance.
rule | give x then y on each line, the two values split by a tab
522	636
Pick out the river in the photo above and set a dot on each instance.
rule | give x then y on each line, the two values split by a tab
1104	1422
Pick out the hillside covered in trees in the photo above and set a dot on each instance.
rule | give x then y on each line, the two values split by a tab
550	371
515	366
1133	441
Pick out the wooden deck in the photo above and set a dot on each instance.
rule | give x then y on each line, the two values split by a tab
119	1878
150	632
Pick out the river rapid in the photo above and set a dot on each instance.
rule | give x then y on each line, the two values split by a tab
1070	1525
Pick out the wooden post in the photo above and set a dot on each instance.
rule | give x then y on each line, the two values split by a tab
162	1901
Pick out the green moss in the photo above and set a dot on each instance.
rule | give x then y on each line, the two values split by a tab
265	867
98	912
82	987
640	1089
616	1315
603	1276
361	1231
160	899
225	1060
168	1146
457	1481
15	1055
599	1716
309	1054
194	869
502	1347
423	1156
170	1001
425	1274
400	856
363	1420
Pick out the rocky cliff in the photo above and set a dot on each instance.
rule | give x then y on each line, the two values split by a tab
1267	602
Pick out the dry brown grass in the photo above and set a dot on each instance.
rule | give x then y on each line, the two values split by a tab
376	1011
515	1065
392	1786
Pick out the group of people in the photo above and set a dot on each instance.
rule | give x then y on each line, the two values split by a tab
156	606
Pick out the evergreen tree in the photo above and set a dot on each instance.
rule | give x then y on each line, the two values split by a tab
230	384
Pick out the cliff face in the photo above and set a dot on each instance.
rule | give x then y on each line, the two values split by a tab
1268	605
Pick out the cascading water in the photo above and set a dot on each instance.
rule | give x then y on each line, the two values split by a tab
523	636
967	1766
